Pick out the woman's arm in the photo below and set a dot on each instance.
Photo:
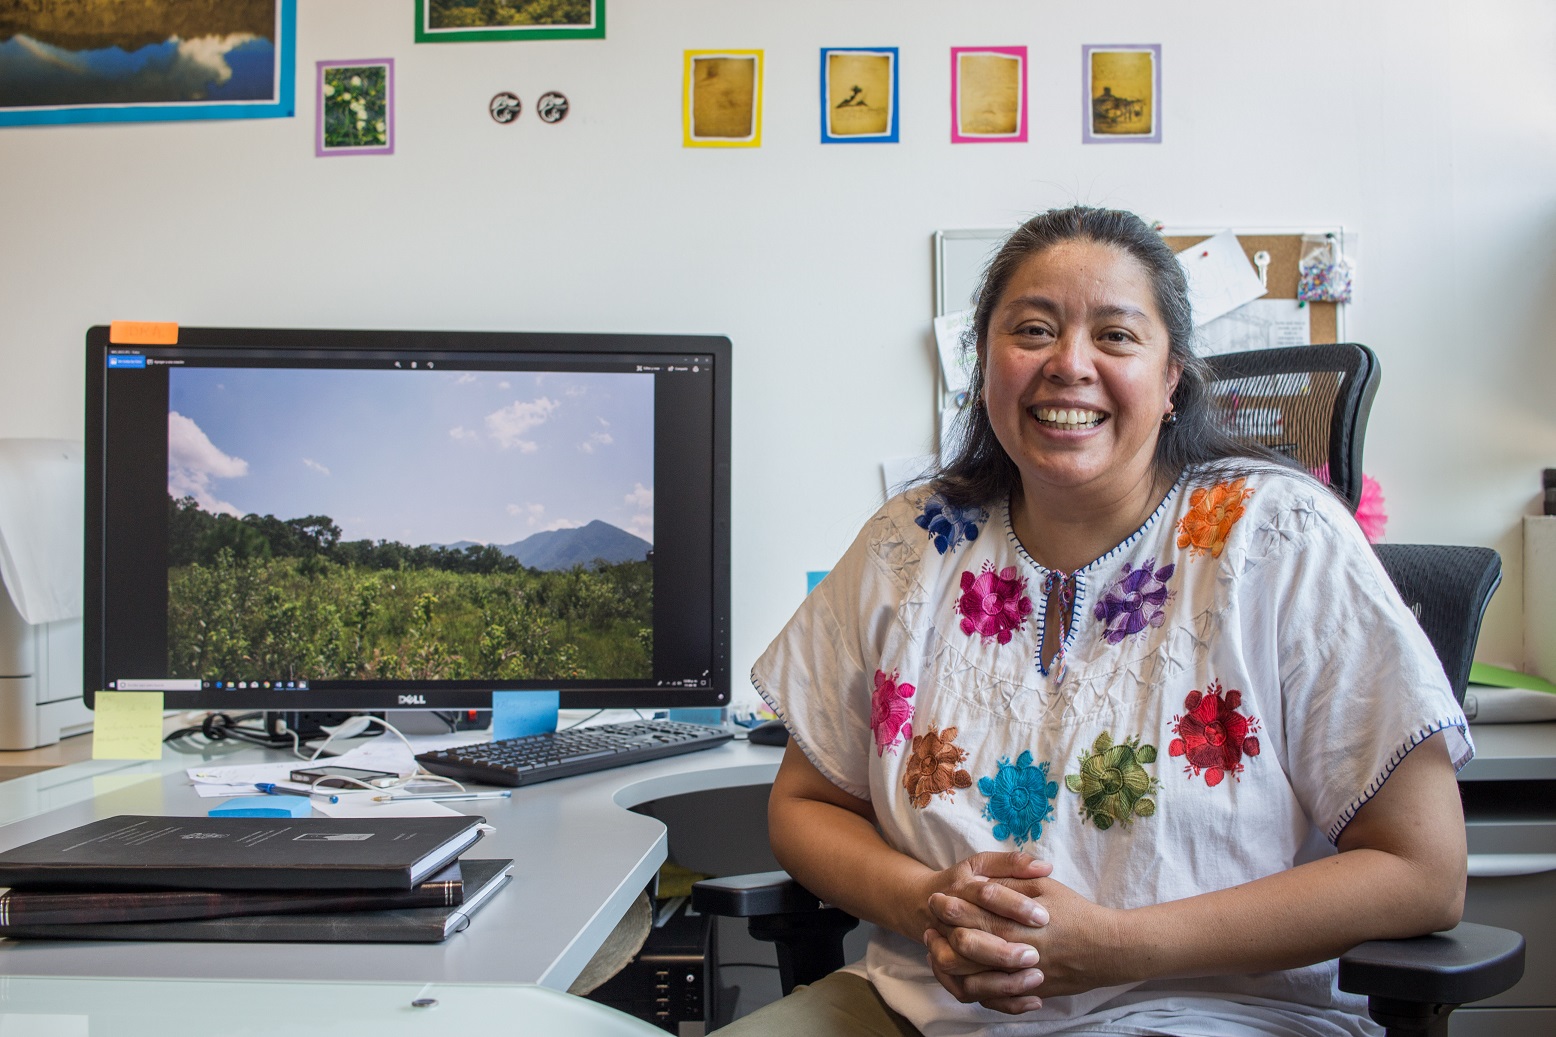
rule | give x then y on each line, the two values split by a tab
1400	872
828	841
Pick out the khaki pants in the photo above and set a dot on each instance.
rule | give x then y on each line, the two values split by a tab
839	1005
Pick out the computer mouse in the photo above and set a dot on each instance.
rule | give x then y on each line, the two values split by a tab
769	732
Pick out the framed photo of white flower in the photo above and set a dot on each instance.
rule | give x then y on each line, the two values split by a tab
356	108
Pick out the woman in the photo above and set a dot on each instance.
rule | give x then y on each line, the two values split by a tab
1071	725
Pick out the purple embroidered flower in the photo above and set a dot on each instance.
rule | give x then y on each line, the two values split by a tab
993	604
1135	601
891	713
949	525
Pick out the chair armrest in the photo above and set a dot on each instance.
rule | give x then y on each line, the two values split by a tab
745	896
1467	963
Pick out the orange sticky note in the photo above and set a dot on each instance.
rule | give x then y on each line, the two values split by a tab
143	333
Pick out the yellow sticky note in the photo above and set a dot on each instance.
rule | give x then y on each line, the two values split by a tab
127	725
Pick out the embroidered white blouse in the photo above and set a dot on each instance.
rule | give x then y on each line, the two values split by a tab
1238	677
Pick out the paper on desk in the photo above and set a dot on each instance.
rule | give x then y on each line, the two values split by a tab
1220	277
127	725
1261	324
368	757
364	806
956	363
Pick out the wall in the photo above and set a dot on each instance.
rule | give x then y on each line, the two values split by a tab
1426	125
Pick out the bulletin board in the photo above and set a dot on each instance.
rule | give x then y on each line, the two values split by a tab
960	256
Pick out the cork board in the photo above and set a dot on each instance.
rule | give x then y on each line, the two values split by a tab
1285	250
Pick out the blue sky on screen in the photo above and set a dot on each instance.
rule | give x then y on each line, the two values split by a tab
421	457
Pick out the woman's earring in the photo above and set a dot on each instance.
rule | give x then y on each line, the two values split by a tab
1170	418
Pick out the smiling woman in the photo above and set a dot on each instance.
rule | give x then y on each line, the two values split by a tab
1127	640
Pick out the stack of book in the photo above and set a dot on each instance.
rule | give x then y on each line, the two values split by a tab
310	879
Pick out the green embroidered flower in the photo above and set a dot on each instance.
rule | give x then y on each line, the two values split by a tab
1113	784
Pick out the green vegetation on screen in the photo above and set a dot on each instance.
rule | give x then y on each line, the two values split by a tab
287	599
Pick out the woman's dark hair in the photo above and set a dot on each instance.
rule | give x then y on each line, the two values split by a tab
981	471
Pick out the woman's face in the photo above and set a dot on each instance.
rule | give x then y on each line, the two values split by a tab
1076	369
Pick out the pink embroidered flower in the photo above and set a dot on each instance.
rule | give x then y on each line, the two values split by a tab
993	604
1214	737
891	713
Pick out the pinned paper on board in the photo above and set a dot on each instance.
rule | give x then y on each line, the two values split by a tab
1220	277
1261	324
722	103
956	363
127	725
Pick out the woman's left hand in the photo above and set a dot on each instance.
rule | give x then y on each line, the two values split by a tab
1079	949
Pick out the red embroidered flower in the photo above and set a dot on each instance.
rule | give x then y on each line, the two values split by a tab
1214	737
993	604
890	712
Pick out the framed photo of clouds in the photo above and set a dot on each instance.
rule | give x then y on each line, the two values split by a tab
156	60
859	95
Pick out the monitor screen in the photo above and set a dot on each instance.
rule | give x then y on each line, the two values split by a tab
363	520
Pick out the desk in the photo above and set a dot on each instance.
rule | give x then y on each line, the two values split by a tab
580	858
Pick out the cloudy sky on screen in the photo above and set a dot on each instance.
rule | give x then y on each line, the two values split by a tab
421	457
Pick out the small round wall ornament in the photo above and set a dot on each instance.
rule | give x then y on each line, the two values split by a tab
552	106
505	107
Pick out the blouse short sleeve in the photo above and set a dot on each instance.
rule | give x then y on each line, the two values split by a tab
1360	683
819	674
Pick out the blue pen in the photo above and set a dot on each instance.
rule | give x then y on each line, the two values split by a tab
270	788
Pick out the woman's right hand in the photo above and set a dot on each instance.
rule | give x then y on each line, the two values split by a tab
992	882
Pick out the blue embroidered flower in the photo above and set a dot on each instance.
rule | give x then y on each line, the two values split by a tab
1021	798
1136	600
949	525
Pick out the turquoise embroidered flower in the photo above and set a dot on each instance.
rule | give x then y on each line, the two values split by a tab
1021	798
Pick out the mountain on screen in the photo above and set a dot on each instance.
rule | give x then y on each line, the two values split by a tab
564	548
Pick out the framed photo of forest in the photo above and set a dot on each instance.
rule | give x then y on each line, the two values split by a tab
465	21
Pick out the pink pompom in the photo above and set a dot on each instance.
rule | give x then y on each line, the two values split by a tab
1371	514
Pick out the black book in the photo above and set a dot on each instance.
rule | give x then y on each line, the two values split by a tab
49	907
196	853
403	925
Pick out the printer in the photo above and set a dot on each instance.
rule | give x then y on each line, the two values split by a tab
41	510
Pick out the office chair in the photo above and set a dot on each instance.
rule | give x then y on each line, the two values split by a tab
1308	402
1411	985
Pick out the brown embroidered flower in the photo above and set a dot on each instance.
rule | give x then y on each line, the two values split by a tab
1212	513
932	767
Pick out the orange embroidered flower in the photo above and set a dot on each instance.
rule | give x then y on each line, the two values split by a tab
1212	513
932	767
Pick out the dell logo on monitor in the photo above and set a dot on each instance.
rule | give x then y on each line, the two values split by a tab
413	700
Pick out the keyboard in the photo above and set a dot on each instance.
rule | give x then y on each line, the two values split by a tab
577	750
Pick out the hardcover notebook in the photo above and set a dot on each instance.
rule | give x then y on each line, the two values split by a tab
482	878
190	853
50	907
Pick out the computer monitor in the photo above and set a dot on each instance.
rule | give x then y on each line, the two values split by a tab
296	520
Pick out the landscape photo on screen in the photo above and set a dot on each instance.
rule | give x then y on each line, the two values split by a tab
410	525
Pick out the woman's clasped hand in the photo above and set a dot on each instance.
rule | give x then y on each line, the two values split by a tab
1008	934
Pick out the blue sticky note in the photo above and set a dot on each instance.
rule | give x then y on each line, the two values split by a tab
711	716
263	806
813	578
519	713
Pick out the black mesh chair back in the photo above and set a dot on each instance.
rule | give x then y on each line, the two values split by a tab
1448	588
1307	402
